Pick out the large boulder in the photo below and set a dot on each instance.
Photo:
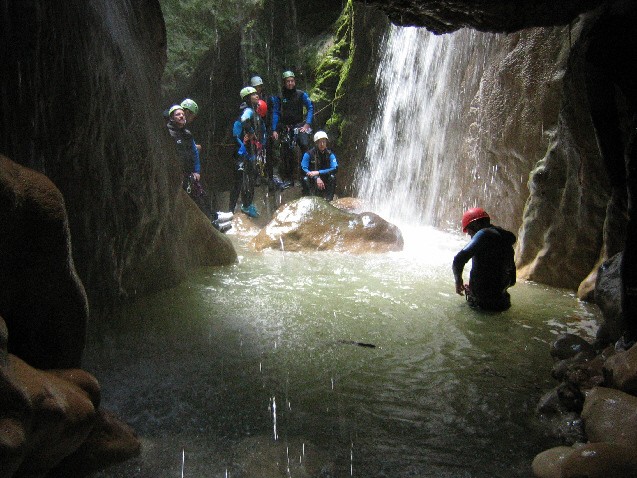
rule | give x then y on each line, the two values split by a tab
592	460
47	416
313	224
41	297
611	416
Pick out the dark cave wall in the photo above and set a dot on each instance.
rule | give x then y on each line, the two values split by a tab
80	103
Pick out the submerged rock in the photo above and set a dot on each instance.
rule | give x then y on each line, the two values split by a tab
313	224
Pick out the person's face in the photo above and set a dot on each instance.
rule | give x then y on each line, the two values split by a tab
471	229
259	89
179	118
290	83
190	116
321	144
254	99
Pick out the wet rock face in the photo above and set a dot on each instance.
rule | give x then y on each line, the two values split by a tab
85	79
313	224
608	298
444	16
41	297
51	420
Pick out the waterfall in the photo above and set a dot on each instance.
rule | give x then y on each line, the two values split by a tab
418	159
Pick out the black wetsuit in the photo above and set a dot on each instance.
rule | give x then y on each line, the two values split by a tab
492	270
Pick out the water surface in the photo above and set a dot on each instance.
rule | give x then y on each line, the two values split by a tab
258	363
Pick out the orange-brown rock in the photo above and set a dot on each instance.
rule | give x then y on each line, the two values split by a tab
41	297
611	416
621	370
313	224
50	420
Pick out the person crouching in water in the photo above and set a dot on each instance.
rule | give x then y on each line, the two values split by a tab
319	165
493	266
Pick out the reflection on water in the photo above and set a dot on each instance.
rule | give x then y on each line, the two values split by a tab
254	370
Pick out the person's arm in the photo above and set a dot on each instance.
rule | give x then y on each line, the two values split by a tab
333	165
305	163
466	253
309	106
246	121
276	114
196	162
237	130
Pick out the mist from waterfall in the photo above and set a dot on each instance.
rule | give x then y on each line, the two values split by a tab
418	159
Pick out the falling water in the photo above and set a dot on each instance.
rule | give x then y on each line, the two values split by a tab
416	162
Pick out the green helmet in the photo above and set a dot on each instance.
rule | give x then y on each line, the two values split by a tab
248	90
288	74
174	108
189	104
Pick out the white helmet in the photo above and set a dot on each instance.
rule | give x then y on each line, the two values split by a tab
320	135
256	81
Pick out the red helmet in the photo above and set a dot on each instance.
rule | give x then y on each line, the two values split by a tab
471	215
262	108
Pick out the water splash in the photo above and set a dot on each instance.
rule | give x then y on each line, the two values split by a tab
416	162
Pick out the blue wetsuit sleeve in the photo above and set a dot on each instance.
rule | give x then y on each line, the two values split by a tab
276	112
237	130
196	161
333	165
309	106
305	163
466	253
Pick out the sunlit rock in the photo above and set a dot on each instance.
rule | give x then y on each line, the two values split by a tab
313	224
265	457
611	416
349	204
41	297
621	370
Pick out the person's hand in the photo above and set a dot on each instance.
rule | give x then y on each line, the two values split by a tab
319	183
275	135
198	147
196	176
460	288
306	127
311	174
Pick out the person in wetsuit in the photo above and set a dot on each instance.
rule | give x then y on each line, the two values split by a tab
287	117
191	167
493	266
319	165
249	133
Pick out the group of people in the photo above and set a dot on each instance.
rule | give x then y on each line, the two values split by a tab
272	134
285	121
274	131
188	151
